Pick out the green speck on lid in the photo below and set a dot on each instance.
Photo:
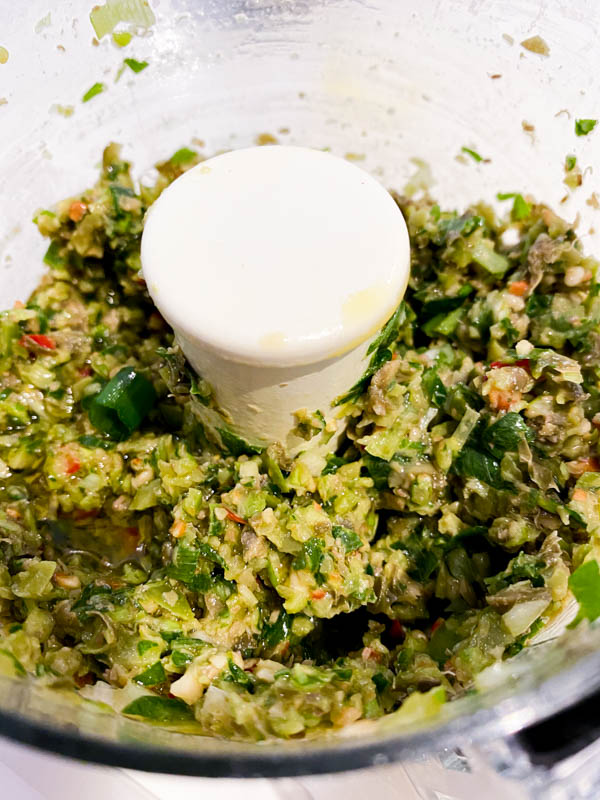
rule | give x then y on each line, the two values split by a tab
121	38
97	88
135	65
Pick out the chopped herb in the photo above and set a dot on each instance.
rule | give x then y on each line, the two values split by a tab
144	645
432	308
380	353
521	641
380	681
350	540
159	709
90	441
152	676
378	470
237	445
512	334
275	632
435	389
472	463
585	585
570	163
314	553
344	674
333	464
506	433
537	304
240	676
208	552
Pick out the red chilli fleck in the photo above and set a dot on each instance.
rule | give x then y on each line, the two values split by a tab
85	680
397	630
234	517
436	624
79	514
73	466
522	362
40	339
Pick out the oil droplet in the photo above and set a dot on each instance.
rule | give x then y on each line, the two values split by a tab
273	341
363	304
3	55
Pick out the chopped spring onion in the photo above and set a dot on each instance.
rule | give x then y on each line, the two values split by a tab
122	404
483	253
105	18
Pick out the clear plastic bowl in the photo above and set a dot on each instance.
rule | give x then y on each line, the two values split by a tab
387	81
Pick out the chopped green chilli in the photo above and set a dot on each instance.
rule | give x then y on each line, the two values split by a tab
119	408
149	552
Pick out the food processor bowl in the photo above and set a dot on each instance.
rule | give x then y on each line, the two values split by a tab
402	87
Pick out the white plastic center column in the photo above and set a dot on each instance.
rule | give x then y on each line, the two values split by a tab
276	266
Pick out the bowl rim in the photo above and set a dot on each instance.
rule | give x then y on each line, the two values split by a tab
505	713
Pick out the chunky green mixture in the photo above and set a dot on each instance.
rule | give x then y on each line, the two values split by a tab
153	560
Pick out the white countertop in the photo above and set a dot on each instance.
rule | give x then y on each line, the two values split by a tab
28	774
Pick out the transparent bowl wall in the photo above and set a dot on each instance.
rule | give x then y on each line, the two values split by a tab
389	80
